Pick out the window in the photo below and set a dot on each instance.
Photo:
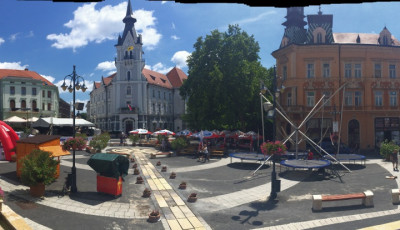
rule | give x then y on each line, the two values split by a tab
43	106
310	99
357	70
326	70
12	104
49	94
284	72
23	104
310	70
327	96
347	70
128	76
377	70
34	106
12	90
289	99
393	98
319	38
392	71
49	106
378	98
159	109
23	90
154	109
128	90
348	98
43	93
357	98
34	91
385	41
154	93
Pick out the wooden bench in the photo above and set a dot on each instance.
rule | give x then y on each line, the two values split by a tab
395	195
217	153
367	199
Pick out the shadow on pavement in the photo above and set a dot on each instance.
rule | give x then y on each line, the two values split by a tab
247	166
246	216
342	208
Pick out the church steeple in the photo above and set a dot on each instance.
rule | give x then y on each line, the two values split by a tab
129	21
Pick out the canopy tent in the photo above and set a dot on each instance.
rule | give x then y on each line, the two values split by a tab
15	119
33	119
47	121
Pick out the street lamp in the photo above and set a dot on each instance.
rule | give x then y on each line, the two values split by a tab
275	187
74	79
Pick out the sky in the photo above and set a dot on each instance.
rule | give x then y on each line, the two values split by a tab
51	37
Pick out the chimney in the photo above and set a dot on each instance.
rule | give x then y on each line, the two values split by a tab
26	69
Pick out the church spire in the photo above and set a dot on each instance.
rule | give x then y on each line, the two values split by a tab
129	21
128	18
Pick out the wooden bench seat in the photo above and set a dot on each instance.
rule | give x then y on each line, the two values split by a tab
395	195
217	153
367	198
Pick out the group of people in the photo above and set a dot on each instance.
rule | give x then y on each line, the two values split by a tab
203	152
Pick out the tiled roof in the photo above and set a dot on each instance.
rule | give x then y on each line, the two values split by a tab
176	76
349	38
23	74
156	78
108	79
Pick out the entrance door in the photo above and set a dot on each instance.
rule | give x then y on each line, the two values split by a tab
128	126
354	134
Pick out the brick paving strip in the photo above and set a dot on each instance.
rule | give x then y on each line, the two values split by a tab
176	213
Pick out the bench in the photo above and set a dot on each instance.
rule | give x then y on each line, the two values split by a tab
217	153
367	199
395	195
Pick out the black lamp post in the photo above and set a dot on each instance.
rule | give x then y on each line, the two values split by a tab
274	182
74	85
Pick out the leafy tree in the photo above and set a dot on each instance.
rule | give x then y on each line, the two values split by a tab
223	86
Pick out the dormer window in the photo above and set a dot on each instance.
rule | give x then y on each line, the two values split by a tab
319	35
319	38
152	77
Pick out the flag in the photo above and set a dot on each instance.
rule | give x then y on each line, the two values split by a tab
130	48
130	107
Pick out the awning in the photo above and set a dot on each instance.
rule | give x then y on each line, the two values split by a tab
55	150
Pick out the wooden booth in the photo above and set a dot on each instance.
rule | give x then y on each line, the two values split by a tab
48	143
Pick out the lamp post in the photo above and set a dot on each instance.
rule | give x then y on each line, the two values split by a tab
74	85
274	181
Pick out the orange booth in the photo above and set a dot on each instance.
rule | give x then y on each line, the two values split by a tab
48	143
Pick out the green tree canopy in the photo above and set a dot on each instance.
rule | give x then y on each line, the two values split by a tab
222	89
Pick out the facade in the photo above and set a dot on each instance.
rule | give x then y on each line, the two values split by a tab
26	94
64	109
358	72
136	97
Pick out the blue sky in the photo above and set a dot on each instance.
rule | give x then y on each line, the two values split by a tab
50	38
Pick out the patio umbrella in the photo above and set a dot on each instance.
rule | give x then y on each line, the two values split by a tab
164	132
140	131
185	132
15	119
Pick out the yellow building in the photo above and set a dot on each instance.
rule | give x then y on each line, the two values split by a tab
358	70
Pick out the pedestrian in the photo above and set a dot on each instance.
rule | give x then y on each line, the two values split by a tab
395	159
206	153
121	138
310	155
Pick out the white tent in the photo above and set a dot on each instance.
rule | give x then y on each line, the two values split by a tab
47	121
14	119
33	119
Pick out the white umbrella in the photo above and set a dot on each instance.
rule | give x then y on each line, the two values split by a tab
140	131
15	119
33	119
164	132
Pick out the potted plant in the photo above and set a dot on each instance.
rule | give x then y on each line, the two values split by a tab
152	156
139	180
386	149
173	175
178	144
77	143
136	171
133	160
164	169
134	139
154	216
158	163
146	192
99	142
38	169
192	197
182	185
273	148
134	166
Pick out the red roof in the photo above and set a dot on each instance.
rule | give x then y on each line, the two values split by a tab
156	78
176	76
23	74
108	79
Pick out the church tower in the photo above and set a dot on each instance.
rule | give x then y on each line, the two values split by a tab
294	31
320	28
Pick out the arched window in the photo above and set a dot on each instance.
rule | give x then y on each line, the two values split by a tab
12	105
34	106
128	76
130	55
319	38
23	104
128	90
49	106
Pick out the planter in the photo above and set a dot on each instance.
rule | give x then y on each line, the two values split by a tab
139	180
37	190
164	169
182	186
136	171
172	176
153	219
146	193
134	166
152	156
158	163
192	199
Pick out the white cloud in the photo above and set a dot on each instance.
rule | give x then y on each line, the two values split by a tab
254	19
106	66
147	67
12	65
13	37
175	37
30	34
91	25
163	2
49	78
1	40
173	26
159	67
180	58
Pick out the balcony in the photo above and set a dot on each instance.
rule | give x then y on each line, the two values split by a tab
125	110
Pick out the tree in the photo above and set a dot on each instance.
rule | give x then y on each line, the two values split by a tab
223	86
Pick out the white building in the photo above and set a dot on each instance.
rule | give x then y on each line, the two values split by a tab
135	97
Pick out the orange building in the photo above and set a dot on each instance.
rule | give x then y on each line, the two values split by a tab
358	71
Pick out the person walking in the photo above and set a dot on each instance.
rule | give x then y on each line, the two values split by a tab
395	159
